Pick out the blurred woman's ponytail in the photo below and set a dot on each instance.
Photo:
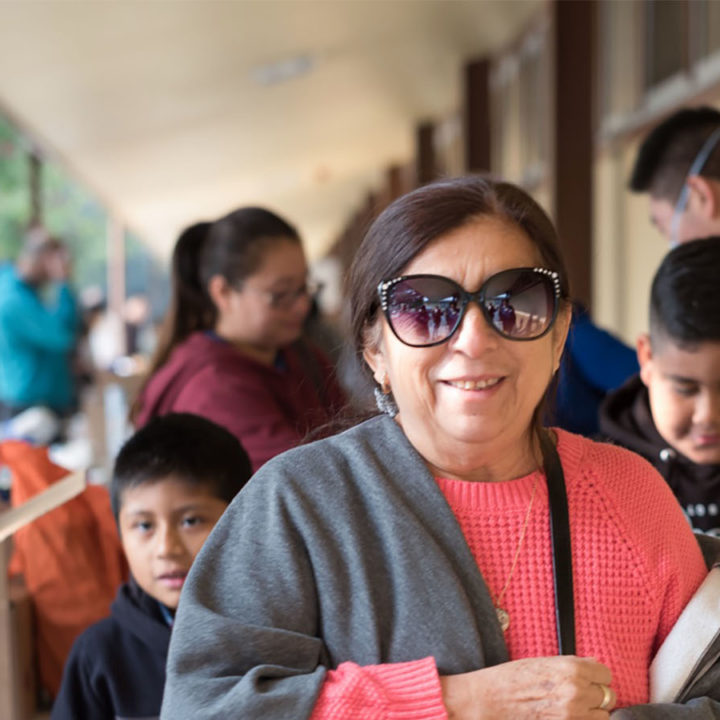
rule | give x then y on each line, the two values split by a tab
190	306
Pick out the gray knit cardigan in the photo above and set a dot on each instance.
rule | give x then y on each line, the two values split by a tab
334	551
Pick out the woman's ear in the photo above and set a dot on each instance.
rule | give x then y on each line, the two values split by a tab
373	354
219	291
645	357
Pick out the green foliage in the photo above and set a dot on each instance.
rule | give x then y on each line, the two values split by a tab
14	190
77	218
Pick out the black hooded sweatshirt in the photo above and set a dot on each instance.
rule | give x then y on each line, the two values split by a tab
116	668
625	419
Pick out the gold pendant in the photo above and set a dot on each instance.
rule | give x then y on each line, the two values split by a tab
503	618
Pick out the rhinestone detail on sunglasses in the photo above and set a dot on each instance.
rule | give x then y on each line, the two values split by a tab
463	298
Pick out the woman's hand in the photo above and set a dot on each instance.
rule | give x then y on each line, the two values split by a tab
550	688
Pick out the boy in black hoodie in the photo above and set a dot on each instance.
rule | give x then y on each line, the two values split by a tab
670	412
171	483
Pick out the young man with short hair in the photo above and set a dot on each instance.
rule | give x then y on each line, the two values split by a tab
678	164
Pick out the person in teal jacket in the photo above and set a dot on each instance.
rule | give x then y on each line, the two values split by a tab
39	325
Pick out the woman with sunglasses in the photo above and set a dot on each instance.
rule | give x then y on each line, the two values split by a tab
231	348
409	567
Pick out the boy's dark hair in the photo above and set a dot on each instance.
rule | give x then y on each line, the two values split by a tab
191	447
666	154
685	300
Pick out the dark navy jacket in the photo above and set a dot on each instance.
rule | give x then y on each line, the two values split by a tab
626	419
116	669
594	362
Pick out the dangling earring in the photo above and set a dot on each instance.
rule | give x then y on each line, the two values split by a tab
384	400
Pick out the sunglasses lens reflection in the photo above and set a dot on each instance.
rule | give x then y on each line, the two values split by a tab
519	304
424	311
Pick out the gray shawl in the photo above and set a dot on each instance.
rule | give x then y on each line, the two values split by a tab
333	552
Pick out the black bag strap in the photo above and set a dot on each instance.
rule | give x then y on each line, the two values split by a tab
561	547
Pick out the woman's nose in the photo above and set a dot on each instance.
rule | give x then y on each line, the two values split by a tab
474	336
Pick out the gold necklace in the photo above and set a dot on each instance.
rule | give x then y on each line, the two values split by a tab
502	614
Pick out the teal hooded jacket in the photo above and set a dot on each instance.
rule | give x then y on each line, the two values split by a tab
37	340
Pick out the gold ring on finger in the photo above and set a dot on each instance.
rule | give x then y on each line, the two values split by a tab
607	699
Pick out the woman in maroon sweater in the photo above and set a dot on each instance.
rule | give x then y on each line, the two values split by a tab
231	349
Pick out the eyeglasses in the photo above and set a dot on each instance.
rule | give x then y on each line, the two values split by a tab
285	299
426	310
695	168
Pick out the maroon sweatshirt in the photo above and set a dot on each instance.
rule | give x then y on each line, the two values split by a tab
269	408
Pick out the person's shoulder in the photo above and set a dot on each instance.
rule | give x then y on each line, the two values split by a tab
625	419
624	480
7	273
373	436
100	639
197	359
219	361
615	464
201	342
363	450
12	289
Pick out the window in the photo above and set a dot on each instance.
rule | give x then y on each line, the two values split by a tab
521	104
534	81
666	37
653	56
704	29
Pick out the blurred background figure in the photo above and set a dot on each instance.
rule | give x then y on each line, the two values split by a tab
678	165
103	332
139	333
39	325
231	348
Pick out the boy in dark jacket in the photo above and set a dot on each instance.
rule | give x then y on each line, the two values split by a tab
670	412
171	483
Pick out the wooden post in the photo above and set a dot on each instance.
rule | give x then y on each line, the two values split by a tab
573	142
425	154
8	679
477	116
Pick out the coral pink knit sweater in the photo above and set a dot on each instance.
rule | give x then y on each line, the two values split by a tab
635	562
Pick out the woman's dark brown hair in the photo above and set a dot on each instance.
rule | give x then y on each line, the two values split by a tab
406	227
232	247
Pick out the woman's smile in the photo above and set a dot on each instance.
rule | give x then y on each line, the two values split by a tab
474	384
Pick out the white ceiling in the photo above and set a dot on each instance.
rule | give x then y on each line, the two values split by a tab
155	106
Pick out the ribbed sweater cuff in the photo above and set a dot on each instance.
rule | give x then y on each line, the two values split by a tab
412	689
391	691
